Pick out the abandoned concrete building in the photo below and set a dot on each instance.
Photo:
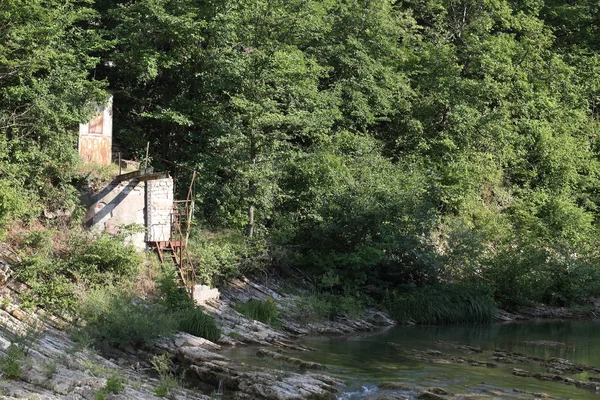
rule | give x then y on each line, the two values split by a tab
142	202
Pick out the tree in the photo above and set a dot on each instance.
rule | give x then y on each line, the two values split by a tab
45	90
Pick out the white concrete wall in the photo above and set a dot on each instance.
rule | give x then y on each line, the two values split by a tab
118	205
145	204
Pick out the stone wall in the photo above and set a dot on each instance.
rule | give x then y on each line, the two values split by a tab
159	198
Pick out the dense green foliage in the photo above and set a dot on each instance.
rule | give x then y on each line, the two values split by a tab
441	305
46	53
326	306
56	275
367	144
197	323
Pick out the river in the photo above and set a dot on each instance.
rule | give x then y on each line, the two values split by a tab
448	357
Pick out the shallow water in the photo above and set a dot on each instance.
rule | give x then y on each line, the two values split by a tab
367	360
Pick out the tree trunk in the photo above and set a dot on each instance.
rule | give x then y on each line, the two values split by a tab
251	190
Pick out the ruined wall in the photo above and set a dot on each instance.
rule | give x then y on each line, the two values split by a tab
159	198
118	205
145	204
95	137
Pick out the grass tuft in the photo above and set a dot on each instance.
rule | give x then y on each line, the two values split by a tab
261	310
195	322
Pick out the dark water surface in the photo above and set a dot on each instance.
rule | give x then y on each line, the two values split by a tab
365	361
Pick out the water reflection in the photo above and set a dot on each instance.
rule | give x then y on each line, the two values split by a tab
364	361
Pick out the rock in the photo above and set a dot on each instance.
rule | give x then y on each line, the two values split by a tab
183	339
290	360
268	384
4	343
5	272
546	343
198	355
438	390
18	314
204	293
393	386
429	396
521	372
378	318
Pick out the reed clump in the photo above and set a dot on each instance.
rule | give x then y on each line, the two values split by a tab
441	304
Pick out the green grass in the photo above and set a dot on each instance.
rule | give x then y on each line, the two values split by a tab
447	304
119	318
195	322
261	310
327	307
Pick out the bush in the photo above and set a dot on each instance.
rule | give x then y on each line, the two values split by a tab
49	284
535	275
55	278
196	322
106	256
172	295
217	256
261	310
449	304
326	306
162	365
189	318
10	365
118	319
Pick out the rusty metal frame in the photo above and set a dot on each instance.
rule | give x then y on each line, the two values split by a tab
181	221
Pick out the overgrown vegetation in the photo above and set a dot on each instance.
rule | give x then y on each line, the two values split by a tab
441	305
58	266
197	323
369	145
114	385
326	307
188	317
162	364
117	318
261	310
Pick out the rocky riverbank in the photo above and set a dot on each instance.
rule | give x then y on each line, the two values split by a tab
49	365
52	366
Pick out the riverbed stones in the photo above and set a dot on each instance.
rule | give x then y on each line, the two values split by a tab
290	360
427	395
394	386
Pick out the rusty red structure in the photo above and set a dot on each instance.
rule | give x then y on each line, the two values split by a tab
95	137
176	248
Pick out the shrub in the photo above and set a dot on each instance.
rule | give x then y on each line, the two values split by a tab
172	295
162	365
531	275
54	278
114	384
10	365
93	260
49	284
119	318
196	322
261	310
448	304
188	318
217	256
327	306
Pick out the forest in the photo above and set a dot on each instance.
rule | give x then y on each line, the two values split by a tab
386	151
